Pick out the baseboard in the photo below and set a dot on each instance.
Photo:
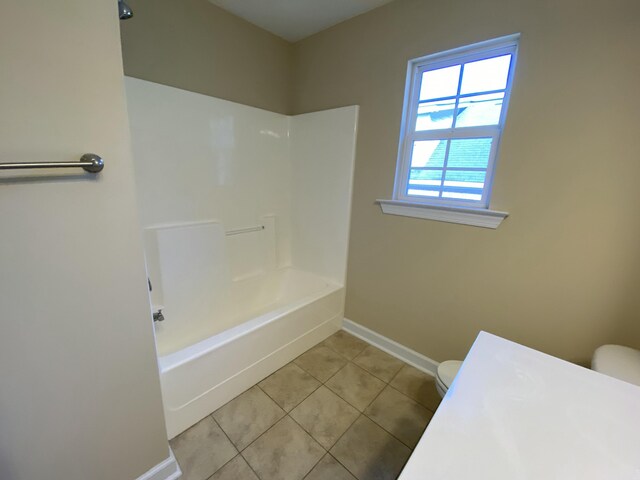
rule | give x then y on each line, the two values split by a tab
168	469
392	347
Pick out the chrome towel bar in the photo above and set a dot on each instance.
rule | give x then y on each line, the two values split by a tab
244	230
91	162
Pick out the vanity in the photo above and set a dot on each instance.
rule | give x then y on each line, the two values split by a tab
516	413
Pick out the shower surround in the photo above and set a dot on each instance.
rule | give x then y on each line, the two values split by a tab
246	221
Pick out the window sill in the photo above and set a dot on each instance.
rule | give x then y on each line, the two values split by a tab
477	217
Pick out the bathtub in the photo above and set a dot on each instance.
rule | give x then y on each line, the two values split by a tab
264	322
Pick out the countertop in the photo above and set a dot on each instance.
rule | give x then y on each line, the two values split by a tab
516	413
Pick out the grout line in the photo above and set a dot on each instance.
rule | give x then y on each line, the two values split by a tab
360	413
343	433
433	412
398	372
227	463
344	399
339	438
225	434
337	372
258	437
399	391
341	464
374	399
274	400
232	442
342	355
308	433
379	378
322	382
250	467
227	437
383	428
393	435
363	412
265	432
315	464
254	441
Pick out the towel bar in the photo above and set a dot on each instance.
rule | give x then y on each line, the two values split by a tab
90	162
244	230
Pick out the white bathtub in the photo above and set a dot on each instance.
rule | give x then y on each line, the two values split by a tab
264	322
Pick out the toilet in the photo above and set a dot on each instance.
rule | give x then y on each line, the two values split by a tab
445	375
617	361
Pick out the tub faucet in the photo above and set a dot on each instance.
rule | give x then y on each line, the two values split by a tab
158	316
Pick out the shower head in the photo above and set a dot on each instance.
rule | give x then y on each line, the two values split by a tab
124	10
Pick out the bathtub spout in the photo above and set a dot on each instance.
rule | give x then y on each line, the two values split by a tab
158	316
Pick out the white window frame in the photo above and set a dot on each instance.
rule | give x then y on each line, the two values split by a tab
408	135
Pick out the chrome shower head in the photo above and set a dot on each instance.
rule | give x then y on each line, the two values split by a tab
124	10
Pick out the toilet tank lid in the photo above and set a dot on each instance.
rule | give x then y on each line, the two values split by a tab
448	370
617	361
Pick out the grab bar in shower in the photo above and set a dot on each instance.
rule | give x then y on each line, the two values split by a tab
244	230
91	163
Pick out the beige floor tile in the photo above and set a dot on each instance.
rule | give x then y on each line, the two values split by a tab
236	469
321	362
369	452
247	416
355	386
345	344
325	416
289	386
378	363
399	415
329	469
202	449
285	452
417	385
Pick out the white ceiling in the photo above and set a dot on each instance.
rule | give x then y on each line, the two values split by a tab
296	19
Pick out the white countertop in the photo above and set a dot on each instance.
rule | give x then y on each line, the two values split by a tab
516	413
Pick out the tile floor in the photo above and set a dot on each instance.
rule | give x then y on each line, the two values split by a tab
343	410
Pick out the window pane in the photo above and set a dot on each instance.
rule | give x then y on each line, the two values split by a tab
425	183
425	177
428	153
485	75
479	110
423	193
469	153
464	185
435	115
440	83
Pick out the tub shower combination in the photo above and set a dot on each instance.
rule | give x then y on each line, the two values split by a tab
246	219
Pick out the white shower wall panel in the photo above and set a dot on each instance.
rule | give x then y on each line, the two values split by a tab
199	158
322	161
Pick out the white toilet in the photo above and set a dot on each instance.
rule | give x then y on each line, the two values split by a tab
617	361
447	371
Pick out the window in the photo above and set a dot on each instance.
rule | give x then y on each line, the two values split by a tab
455	108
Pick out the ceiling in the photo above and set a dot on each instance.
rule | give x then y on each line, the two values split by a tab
296	19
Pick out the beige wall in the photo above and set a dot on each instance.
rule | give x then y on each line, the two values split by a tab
196	46
562	273
79	392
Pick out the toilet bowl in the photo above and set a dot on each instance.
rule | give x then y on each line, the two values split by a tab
617	361
445	375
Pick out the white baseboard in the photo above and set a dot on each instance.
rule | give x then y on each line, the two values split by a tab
392	347
166	470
